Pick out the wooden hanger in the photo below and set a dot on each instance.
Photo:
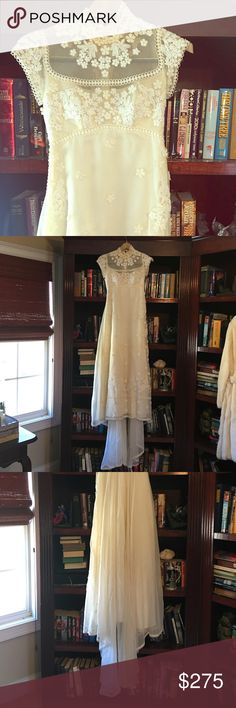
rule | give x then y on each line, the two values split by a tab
126	246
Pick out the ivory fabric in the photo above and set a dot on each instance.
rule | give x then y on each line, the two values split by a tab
103	101
124	597
121	396
226	396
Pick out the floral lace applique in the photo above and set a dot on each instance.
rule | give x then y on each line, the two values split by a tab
173	49
106	52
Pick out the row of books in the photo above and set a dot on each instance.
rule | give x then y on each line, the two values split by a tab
211	281
156	460
162	422
201	124
84	363
89	283
81	422
224	574
162	285
173	625
207	377
73	551
207	463
88	330
163	379
183	214
23	216
86	459
22	129
68	626
9	428
173	574
212	329
225	510
65	664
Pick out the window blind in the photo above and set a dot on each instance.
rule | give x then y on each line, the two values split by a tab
24	299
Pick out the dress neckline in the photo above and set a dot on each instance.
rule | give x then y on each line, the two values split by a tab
125	259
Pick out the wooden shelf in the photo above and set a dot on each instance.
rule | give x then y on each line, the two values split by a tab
84	345
218	298
176	167
209	350
69	590
206	397
166	474
202	167
85	647
162	346
172	533
222	600
148	438
163	300
225	537
87	391
94	298
23	166
71	531
174	593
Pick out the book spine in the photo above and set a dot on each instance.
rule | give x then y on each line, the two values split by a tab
202	124
232	147
210	125
21	118
223	125
183	122
7	138
225	508
168	124
36	129
196	123
189	131
32	214
188	218
174	124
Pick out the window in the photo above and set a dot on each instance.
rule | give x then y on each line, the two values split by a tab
18	572
25	378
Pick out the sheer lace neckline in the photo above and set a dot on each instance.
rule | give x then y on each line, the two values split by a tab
125	259
96	61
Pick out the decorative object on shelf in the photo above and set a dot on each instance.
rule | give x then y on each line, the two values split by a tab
61	516
177	516
169	334
221	230
225	625
167	554
163	377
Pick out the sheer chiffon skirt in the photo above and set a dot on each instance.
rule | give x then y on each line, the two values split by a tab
124	443
124	598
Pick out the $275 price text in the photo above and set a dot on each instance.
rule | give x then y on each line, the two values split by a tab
200	680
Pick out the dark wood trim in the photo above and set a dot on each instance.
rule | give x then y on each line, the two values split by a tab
46	574
206	542
68	319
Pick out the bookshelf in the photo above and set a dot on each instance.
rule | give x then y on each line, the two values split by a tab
211	66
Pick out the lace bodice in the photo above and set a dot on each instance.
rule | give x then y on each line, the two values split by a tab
120	80
124	262
103	102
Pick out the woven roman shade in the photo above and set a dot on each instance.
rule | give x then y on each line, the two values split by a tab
24	299
15	501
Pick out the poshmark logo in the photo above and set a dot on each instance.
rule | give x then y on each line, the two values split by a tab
18	15
45	18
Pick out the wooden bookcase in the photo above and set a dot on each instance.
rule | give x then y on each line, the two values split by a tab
211	182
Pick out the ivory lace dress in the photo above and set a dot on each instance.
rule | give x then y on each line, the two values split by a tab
122	389
103	101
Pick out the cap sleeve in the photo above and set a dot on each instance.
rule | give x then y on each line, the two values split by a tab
102	262
146	261
173	49
31	59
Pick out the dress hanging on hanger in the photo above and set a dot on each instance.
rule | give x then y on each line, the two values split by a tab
122	388
103	101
